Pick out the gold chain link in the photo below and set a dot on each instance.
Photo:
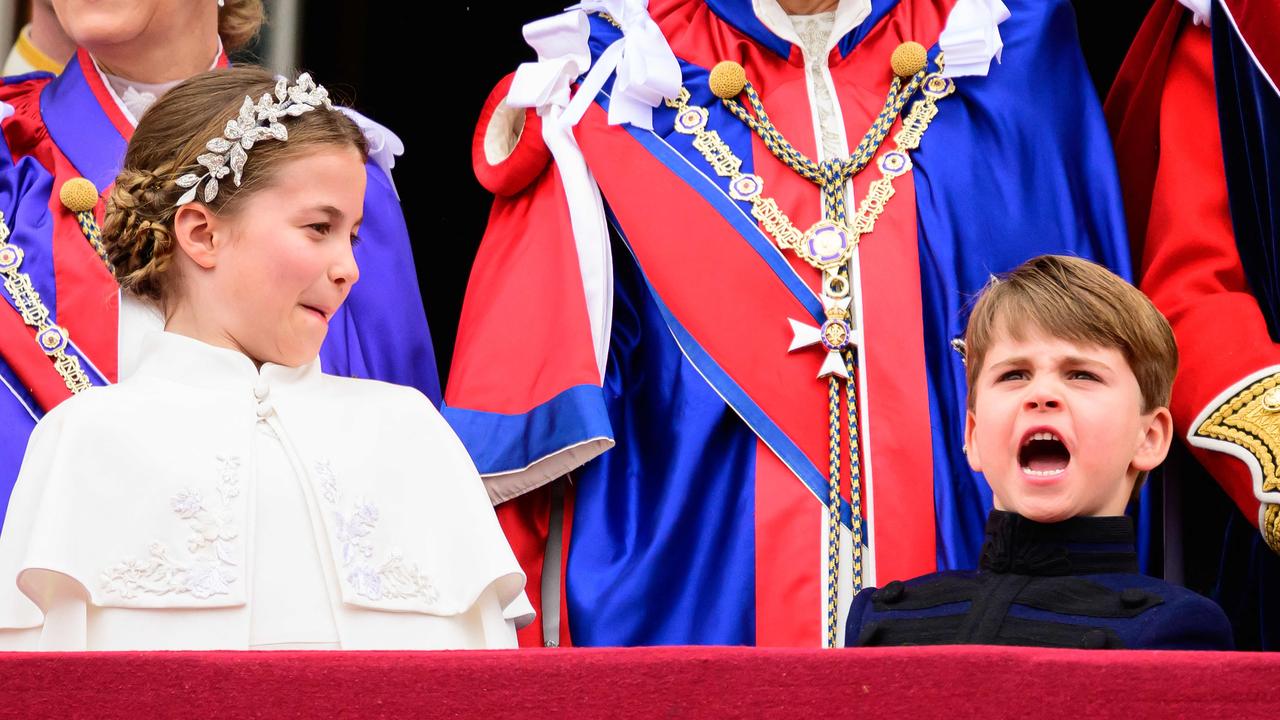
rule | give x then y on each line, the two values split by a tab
51	338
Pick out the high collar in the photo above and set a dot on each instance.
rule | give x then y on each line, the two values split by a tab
1077	546
759	20
187	361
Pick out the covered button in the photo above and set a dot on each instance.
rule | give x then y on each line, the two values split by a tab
1133	598
890	593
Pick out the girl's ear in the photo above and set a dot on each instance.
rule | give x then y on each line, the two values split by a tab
193	230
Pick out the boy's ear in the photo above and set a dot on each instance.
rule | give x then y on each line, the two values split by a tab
1154	444
970	447
193	231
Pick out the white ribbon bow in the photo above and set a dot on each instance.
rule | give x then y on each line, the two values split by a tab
563	55
646	72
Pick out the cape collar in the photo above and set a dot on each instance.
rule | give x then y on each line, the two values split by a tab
187	361
86	120
1077	546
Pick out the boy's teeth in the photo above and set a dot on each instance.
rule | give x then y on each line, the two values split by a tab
1043	473
1044	436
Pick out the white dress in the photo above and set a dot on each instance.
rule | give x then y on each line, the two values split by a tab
203	503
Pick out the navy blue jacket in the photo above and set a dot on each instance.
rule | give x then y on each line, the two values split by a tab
1069	584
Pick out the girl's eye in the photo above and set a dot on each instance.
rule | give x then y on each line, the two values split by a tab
355	240
322	228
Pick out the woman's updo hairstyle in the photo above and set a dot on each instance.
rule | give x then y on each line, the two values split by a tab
138	228
239	22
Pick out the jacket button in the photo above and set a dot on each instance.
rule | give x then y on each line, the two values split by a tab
1093	640
1132	598
265	408
890	593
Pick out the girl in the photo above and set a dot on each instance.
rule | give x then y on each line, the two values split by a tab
228	494
67	133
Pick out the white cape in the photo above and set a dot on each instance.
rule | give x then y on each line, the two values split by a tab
134	498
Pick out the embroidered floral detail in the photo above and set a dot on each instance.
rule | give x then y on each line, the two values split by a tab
186	504
212	547
353	530
395	578
328	482
228	477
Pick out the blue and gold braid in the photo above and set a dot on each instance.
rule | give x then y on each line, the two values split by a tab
855	468
833	487
80	196
89	226
831	174
833	507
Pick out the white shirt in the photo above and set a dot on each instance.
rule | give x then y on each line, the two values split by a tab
203	503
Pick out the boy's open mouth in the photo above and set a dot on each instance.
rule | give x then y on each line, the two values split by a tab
1043	454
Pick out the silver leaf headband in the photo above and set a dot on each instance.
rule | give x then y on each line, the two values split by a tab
256	121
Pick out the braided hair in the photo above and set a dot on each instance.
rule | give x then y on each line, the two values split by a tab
136	210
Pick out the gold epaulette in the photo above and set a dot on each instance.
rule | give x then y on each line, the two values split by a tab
1270	526
1251	420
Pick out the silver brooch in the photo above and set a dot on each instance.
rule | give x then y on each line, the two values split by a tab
256	121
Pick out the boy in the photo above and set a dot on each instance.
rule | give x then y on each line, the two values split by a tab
1069	370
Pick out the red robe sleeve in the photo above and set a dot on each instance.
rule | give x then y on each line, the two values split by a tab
525	390
1191	269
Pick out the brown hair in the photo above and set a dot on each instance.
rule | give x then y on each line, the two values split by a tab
1076	300
239	22
138	227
